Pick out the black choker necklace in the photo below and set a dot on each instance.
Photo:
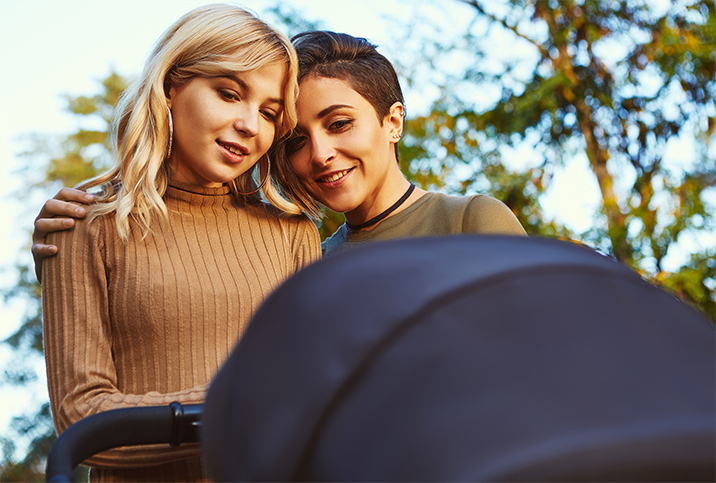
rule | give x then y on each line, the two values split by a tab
380	217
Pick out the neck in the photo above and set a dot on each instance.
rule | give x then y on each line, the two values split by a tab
398	200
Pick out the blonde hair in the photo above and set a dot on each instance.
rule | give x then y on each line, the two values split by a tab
211	40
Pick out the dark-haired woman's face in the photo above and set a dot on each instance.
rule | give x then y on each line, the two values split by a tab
342	153
224	125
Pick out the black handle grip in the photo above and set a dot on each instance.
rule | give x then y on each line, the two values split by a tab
173	424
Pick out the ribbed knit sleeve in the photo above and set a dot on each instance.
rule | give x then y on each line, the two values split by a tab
80	340
305	243
150	320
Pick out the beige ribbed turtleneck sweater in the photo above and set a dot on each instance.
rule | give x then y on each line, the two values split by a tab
150	321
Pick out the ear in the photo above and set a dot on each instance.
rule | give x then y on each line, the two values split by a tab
170	95
395	121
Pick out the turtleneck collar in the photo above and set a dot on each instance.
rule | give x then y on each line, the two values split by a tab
175	186
179	194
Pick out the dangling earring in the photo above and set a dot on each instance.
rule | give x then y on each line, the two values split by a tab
263	182
171	133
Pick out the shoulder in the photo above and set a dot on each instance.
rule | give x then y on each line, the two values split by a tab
91	229
484	214
336	242
81	250
473	214
297	229
472	202
266	214
487	203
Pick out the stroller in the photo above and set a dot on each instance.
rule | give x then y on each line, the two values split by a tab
463	358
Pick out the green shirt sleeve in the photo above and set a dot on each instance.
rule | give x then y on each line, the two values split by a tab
488	215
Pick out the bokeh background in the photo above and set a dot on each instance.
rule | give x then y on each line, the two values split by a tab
593	120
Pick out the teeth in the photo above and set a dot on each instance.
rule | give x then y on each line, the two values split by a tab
334	177
233	150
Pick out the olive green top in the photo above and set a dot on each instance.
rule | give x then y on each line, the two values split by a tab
434	214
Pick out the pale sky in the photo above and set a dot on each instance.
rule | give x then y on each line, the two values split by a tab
55	47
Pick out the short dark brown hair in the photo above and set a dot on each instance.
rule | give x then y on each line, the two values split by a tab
351	59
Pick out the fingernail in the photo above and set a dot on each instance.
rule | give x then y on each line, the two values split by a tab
89	197
80	211
67	222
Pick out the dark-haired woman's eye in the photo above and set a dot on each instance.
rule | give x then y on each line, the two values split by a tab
340	124
294	144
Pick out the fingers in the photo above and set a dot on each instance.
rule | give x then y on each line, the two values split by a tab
39	253
71	194
43	251
55	207
43	226
56	214
40	250
63	205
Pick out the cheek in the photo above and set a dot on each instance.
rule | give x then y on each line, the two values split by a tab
268	131
299	165
193	117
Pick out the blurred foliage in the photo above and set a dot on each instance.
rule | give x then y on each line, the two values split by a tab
86	153
67	161
612	81
291	20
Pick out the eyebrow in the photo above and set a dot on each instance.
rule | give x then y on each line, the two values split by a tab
246	88
332	108
324	113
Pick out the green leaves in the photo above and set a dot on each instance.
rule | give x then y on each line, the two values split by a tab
78	156
615	80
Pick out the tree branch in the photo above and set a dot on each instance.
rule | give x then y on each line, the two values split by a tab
473	3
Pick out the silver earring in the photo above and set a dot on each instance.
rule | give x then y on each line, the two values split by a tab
263	182
171	133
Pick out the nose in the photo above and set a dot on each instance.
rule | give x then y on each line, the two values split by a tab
247	120
322	152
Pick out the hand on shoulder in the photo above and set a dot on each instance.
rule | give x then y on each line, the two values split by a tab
57	214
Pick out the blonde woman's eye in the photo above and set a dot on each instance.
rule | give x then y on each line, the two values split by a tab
271	116
228	95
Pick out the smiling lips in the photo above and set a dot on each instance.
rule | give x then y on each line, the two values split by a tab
234	149
334	177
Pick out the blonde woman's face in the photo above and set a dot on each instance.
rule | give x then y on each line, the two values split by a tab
224	125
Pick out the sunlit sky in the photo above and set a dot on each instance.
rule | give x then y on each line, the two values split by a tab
55	47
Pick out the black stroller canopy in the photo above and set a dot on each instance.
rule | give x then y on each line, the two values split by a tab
467	358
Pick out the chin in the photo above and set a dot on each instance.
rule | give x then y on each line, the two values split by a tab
339	207
340	203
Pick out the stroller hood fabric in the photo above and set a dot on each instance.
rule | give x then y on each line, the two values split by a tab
467	358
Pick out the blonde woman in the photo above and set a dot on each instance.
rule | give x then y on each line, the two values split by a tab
149	293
